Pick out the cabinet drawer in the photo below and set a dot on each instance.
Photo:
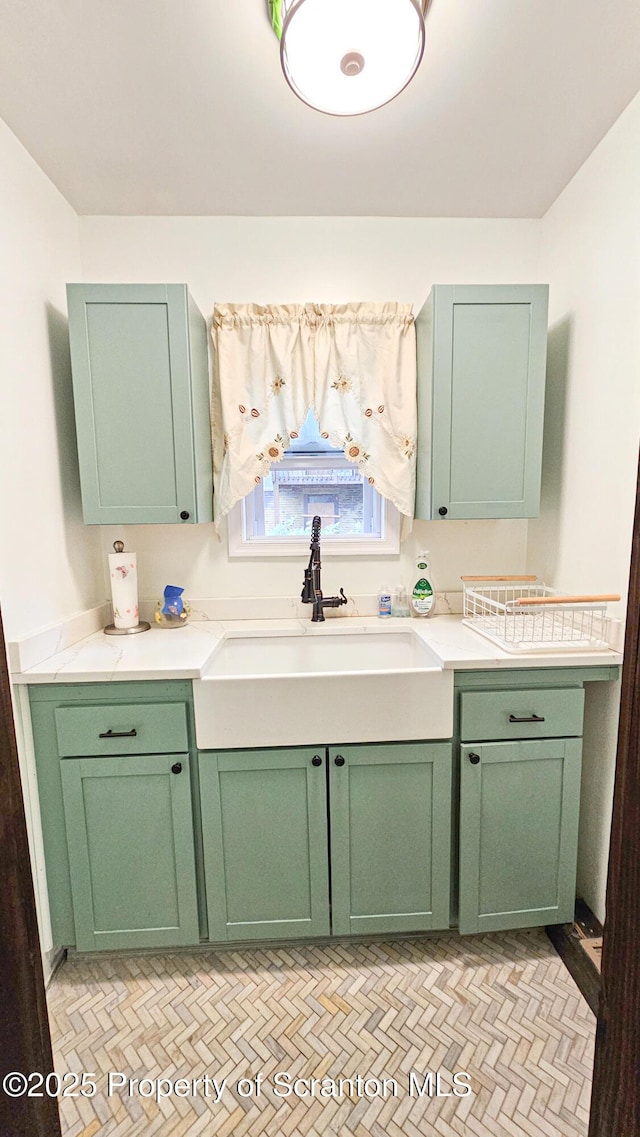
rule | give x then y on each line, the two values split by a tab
534	713
131	728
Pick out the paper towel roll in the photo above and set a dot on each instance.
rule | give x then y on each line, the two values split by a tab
124	589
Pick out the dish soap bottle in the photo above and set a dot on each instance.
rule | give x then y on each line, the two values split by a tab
422	596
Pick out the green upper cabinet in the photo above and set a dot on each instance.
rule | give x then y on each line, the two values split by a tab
481	376
141	392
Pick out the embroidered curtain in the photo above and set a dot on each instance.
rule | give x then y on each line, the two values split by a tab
354	364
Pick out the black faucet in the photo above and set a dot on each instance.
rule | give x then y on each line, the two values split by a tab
312	588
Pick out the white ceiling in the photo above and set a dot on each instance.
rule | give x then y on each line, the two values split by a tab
169	107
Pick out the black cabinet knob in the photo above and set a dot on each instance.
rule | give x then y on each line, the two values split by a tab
184	516
176	768
443	511
339	760
474	759
316	760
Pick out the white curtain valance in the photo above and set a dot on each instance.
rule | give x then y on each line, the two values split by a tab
354	364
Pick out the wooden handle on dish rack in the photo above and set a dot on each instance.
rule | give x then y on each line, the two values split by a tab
523	601
533	578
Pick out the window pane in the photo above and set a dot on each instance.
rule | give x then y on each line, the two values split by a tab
297	493
309	440
313	479
286	501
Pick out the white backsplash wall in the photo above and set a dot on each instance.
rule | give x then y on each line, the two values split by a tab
192	556
324	259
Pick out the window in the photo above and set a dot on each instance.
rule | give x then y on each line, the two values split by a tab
313	479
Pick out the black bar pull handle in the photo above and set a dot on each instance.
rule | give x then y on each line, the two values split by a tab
527	718
118	733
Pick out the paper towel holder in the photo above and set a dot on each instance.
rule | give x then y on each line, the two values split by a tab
142	625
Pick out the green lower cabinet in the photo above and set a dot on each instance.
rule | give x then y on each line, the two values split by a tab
131	856
390	810
264	827
267	852
519	806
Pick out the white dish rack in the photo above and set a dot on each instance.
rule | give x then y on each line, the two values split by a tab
521	614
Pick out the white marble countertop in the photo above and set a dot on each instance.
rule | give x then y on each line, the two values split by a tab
183	653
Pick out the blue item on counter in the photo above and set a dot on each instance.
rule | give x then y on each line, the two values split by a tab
173	605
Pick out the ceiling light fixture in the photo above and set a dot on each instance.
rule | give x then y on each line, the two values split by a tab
347	57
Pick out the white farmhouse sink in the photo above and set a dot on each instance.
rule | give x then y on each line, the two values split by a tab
322	686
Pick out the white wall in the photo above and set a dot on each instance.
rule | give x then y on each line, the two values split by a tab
274	260
49	561
590	255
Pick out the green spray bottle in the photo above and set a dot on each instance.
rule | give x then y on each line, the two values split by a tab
423	597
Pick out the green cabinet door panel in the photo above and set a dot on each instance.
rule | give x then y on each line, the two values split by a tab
481	378
130	841
264	824
140	382
519	805
390	837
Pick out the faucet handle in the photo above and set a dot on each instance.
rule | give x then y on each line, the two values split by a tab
335	601
307	588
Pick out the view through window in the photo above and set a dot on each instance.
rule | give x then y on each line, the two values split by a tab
313	478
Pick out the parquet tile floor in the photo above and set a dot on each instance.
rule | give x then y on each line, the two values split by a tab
501	1008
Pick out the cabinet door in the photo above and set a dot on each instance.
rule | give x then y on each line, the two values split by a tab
390	837
140	383
264	823
130	840
481	378
519	811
